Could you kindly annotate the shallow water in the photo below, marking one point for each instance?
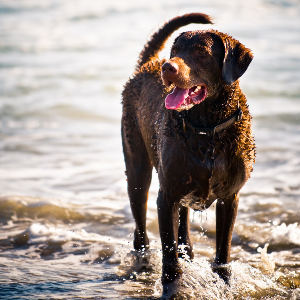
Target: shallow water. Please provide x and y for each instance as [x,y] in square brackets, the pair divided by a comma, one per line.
[67,228]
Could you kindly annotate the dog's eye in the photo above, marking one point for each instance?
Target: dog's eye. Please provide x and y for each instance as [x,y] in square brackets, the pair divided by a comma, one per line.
[201,51]
[174,50]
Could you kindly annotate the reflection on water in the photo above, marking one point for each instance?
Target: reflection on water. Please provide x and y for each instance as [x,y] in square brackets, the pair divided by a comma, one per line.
[66,225]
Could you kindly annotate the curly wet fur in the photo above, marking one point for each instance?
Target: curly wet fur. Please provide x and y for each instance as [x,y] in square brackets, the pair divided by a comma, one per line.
[194,170]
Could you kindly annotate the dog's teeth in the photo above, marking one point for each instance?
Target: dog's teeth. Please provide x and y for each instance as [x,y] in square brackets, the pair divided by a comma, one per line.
[197,89]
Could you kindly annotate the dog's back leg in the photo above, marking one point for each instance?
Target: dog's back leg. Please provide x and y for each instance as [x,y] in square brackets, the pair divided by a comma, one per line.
[139,173]
[184,232]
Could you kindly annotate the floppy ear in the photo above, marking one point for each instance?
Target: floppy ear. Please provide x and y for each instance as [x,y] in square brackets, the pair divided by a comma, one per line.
[236,60]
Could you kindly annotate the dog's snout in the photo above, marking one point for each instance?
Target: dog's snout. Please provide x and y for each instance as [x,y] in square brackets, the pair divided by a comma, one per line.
[170,67]
[169,72]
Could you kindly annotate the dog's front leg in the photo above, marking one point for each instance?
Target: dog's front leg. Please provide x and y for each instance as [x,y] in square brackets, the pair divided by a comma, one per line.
[168,218]
[226,211]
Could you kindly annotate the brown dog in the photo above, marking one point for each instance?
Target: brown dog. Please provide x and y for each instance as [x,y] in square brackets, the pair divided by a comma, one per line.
[189,119]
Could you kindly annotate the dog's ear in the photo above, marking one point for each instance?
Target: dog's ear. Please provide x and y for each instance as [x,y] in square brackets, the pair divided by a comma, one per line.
[236,60]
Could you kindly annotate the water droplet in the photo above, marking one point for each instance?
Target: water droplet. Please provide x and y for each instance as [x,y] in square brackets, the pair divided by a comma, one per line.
[201,219]
[193,216]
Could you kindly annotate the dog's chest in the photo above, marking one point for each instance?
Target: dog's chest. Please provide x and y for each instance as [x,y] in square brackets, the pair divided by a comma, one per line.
[195,169]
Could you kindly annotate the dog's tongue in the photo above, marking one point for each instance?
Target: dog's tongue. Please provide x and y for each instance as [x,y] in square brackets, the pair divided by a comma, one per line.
[176,98]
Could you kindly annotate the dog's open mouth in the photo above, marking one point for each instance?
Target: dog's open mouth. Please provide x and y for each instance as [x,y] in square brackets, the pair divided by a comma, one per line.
[184,99]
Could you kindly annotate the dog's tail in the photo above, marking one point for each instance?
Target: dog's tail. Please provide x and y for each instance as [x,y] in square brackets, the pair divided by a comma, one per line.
[158,39]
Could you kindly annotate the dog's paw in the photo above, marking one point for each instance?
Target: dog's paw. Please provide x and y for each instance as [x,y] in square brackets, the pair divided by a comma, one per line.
[223,270]
[171,272]
[140,242]
[175,290]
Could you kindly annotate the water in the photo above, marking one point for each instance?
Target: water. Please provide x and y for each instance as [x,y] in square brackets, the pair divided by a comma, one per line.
[67,228]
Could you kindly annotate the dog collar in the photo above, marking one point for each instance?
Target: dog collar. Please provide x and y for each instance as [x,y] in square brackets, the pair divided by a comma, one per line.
[210,131]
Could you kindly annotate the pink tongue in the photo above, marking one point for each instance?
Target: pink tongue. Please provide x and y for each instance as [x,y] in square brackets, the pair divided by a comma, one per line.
[176,98]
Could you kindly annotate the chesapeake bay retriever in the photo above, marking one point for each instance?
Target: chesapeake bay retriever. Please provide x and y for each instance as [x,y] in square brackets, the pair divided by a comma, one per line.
[188,118]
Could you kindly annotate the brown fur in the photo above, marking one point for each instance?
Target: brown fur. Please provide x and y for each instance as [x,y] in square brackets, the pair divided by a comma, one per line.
[194,170]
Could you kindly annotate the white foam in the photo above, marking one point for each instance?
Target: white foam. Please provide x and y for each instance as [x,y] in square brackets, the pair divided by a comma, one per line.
[46,232]
[285,234]
[199,282]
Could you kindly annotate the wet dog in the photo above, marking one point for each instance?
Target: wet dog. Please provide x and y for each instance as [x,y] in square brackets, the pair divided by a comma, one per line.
[188,118]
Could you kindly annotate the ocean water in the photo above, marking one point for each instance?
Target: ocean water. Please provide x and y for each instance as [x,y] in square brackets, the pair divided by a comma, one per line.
[66,225]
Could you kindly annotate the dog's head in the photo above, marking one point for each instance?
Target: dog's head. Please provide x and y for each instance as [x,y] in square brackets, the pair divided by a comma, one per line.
[201,62]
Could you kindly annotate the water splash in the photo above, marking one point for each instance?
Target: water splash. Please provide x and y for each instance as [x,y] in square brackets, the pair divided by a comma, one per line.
[267,262]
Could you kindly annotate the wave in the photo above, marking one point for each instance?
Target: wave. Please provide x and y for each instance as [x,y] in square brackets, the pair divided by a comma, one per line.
[20,208]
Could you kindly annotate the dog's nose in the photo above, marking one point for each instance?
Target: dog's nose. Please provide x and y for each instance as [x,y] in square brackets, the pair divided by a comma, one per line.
[170,67]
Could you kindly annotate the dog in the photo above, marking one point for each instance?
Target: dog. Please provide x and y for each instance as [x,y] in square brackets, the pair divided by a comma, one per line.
[188,118]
